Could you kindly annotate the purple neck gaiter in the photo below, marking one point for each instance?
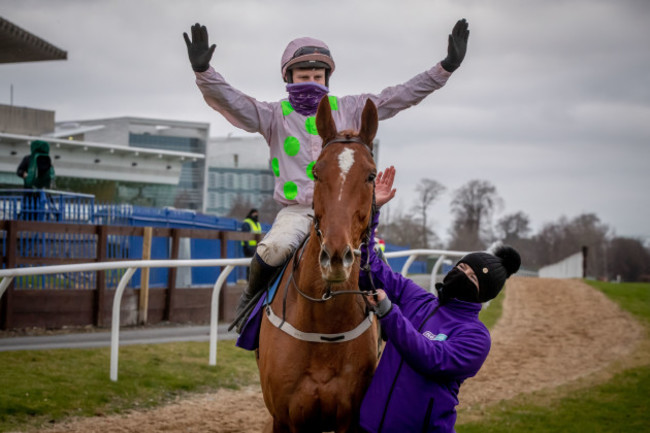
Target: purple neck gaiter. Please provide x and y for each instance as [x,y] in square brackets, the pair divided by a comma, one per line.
[304,97]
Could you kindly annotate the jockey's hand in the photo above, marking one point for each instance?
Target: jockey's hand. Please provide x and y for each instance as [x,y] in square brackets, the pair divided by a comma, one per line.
[197,49]
[457,46]
[380,303]
[384,191]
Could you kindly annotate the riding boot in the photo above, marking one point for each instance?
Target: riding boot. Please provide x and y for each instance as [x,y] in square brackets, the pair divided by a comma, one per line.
[260,278]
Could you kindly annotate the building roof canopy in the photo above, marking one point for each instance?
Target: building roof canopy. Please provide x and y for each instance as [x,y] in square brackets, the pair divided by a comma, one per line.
[111,148]
[18,45]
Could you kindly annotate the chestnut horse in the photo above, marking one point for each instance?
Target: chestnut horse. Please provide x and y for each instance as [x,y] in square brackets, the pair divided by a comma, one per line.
[318,342]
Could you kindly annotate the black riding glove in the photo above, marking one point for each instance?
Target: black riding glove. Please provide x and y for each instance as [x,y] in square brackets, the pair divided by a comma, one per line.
[197,49]
[457,46]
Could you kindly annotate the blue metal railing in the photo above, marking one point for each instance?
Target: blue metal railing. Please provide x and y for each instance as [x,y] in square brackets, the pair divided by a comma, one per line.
[65,207]
[46,205]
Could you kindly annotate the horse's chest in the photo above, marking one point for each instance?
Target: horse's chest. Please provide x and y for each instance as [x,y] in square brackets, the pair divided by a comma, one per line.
[325,394]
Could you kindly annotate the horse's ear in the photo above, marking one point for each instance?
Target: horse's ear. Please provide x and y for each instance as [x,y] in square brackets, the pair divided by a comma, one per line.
[369,121]
[325,122]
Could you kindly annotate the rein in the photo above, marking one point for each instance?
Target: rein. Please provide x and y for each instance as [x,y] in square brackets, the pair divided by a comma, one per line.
[314,337]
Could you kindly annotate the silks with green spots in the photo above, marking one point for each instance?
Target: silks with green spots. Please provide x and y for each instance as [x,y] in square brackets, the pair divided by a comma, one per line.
[293,139]
[292,146]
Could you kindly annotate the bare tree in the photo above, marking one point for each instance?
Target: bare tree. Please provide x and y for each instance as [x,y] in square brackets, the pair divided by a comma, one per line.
[472,206]
[556,241]
[405,230]
[513,227]
[428,191]
[628,259]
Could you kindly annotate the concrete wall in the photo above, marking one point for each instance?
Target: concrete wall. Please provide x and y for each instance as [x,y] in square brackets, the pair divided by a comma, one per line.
[25,121]
[570,267]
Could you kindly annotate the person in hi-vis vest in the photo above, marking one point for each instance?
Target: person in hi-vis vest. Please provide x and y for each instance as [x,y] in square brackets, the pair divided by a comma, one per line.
[251,224]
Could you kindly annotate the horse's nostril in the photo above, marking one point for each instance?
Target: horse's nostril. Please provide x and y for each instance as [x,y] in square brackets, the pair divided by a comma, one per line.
[348,257]
[324,258]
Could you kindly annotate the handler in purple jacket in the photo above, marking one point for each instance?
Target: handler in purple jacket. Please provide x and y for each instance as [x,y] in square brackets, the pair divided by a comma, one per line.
[434,343]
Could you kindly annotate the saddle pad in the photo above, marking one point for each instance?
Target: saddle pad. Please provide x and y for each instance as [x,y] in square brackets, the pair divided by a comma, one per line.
[249,337]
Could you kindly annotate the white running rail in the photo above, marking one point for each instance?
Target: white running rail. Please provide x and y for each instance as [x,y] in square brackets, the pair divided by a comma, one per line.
[413,254]
[131,266]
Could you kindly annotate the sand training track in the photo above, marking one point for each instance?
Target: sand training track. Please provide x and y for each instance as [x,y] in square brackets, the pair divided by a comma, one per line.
[552,332]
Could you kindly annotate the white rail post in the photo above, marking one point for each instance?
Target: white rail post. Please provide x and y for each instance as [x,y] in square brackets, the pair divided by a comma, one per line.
[408,264]
[434,272]
[4,284]
[115,321]
[214,313]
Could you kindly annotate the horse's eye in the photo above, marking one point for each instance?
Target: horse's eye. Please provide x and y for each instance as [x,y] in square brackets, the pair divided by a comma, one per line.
[371,177]
[314,175]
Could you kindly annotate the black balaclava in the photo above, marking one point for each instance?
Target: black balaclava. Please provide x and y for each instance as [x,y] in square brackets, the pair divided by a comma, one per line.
[492,270]
[457,285]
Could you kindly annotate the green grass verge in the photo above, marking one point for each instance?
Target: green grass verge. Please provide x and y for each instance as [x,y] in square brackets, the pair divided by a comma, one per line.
[490,314]
[39,387]
[632,297]
[619,405]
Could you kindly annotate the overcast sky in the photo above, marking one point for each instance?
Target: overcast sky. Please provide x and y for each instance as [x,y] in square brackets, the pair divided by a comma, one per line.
[552,103]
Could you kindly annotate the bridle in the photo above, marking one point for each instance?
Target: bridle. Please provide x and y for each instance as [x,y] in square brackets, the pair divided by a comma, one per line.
[282,324]
[329,294]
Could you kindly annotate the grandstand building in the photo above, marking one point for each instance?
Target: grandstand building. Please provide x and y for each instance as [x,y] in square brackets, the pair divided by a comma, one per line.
[238,172]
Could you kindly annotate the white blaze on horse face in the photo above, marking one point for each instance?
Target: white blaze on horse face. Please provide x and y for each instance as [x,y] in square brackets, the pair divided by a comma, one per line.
[346,160]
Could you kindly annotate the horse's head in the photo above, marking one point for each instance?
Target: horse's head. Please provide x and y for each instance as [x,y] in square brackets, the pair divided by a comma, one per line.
[343,191]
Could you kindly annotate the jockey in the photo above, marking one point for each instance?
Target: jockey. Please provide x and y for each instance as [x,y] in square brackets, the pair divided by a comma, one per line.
[434,343]
[290,130]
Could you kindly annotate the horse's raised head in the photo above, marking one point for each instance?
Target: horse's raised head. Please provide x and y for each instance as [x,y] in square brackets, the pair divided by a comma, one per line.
[327,128]
[344,178]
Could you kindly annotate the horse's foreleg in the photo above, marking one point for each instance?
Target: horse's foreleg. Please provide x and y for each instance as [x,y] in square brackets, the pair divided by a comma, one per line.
[275,427]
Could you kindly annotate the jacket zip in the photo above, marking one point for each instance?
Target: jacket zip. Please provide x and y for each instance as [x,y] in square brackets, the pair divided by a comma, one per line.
[390,394]
[427,416]
[399,369]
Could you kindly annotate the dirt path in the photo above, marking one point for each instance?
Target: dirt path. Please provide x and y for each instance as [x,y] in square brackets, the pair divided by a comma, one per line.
[551,332]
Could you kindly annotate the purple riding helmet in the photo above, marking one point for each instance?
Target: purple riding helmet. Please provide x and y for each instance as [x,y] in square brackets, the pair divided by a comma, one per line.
[306,53]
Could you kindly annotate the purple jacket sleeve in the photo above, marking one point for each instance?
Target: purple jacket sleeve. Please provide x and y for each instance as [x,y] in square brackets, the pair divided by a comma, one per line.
[460,356]
[399,288]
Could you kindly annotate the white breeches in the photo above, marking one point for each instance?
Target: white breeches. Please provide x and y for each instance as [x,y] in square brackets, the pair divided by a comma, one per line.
[290,227]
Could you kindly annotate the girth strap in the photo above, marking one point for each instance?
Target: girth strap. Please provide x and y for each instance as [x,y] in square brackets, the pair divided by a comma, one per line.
[316,337]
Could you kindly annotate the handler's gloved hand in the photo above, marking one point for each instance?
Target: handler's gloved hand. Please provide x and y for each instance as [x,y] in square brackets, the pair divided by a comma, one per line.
[457,46]
[197,49]
[379,302]
[383,307]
